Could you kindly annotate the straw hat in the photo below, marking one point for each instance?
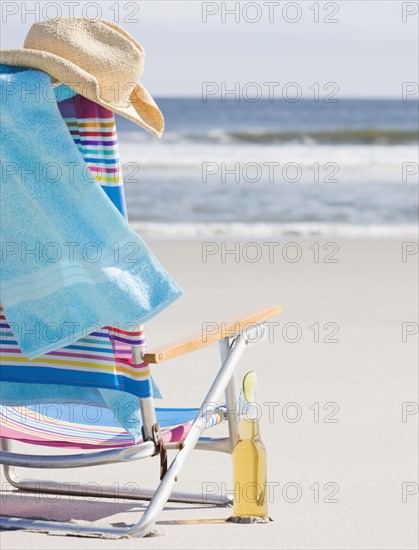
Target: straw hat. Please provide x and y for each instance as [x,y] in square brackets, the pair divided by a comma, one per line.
[97,59]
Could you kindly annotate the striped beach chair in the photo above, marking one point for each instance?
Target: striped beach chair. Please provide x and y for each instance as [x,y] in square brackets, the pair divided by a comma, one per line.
[63,401]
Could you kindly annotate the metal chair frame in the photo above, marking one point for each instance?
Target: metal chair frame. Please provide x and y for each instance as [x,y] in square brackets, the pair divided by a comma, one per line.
[232,347]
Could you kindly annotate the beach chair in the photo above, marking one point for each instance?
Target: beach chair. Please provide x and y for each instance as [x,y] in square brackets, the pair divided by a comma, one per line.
[163,430]
[103,439]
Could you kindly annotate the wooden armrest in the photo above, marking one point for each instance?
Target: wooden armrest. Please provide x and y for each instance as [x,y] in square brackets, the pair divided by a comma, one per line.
[209,333]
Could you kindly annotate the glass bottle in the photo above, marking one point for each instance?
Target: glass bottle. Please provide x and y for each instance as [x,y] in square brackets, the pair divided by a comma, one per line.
[249,462]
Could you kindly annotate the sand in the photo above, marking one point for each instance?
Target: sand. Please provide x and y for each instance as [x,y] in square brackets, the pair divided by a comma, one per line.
[339,449]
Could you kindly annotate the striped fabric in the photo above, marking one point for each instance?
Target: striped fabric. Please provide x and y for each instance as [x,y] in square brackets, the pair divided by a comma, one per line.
[89,426]
[102,359]
[94,131]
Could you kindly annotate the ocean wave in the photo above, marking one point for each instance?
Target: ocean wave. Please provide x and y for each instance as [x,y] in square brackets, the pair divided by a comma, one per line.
[363,136]
[359,136]
[257,231]
[181,155]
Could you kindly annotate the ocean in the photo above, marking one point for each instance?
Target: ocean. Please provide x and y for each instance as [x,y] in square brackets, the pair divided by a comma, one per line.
[272,169]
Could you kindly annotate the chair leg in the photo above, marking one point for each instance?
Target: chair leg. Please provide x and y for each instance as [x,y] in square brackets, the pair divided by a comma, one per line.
[165,488]
[103,491]
[8,471]
[231,395]
[44,486]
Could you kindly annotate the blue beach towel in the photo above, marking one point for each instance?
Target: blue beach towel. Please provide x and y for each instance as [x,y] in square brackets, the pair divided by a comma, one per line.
[70,262]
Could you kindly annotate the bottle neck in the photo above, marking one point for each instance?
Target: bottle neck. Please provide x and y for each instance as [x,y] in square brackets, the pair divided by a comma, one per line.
[249,428]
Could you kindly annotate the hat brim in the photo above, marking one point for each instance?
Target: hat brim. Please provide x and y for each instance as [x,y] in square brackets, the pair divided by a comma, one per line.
[141,108]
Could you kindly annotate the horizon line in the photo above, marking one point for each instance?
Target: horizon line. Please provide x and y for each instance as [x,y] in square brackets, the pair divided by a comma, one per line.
[308,98]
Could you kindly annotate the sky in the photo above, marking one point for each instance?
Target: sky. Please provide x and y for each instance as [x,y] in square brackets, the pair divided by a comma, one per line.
[369,51]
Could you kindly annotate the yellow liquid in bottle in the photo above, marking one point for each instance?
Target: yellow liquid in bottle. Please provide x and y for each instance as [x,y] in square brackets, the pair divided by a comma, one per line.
[249,471]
